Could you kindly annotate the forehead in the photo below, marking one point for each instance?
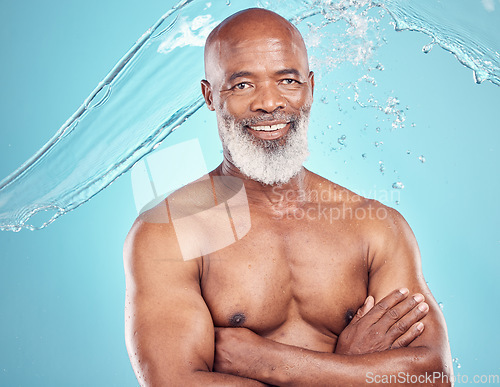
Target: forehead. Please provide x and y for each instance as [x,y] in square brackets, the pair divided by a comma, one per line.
[262,51]
[256,51]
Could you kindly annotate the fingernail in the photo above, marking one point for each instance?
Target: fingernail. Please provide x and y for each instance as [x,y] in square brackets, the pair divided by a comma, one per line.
[404,291]
[418,297]
[420,326]
[423,307]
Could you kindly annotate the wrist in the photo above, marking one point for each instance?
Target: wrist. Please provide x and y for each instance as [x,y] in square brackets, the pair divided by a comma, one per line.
[279,361]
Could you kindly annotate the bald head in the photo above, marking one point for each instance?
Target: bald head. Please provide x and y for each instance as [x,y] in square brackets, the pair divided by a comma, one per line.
[248,27]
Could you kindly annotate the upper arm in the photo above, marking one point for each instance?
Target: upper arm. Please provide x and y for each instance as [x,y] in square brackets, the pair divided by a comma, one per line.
[394,257]
[168,327]
[395,263]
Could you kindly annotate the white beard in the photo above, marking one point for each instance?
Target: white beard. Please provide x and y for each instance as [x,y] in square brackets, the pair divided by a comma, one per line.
[267,161]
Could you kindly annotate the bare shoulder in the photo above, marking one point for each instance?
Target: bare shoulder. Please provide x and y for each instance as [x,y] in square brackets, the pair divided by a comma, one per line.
[382,226]
[328,191]
[186,224]
[152,234]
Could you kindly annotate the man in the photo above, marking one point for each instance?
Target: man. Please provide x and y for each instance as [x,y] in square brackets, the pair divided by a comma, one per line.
[283,297]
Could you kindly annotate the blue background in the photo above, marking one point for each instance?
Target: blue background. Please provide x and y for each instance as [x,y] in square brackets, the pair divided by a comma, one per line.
[62,288]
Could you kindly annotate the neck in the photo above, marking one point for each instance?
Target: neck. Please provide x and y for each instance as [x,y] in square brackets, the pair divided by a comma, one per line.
[281,196]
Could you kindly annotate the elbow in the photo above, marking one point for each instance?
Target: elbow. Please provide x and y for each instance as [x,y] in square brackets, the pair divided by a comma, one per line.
[432,368]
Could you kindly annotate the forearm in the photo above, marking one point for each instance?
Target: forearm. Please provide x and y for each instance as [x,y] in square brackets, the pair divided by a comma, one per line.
[205,378]
[197,378]
[290,366]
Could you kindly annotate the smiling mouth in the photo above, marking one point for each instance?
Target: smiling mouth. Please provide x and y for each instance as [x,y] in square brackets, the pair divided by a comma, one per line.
[268,128]
[269,132]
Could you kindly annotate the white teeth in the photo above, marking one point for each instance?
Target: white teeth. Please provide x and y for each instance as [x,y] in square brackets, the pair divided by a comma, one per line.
[268,128]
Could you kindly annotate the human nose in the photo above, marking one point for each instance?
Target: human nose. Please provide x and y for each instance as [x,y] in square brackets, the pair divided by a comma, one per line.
[268,99]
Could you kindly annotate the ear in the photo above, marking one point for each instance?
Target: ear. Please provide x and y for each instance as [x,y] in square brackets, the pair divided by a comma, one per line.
[311,82]
[206,90]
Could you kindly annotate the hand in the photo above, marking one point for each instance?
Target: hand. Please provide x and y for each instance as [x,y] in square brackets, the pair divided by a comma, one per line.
[394,322]
[238,351]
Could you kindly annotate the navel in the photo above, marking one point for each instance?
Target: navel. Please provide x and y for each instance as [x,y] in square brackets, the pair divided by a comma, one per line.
[237,320]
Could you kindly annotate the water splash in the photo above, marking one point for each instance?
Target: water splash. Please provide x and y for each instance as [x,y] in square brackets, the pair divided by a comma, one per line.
[130,113]
[476,46]
[122,120]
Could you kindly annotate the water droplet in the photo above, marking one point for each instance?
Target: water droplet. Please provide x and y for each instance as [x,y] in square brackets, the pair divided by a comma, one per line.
[408,152]
[381,167]
[398,185]
[413,124]
[363,155]
[228,2]
[421,158]
[441,305]
[339,123]
[378,129]
[378,143]
[456,363]
[324,100]
[341,140]
[428,47]
[397,202]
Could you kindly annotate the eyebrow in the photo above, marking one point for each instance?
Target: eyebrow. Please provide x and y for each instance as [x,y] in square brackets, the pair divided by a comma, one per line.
[288,71]
[241,74]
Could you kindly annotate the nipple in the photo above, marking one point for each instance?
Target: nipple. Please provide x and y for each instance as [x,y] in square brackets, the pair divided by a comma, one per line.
[237,320]
[349,316]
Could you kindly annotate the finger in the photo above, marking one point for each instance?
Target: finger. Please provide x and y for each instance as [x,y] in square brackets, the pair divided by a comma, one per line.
[385,304]
[398,311]
[401,326]
[370,302]
[410,335]
[364,309]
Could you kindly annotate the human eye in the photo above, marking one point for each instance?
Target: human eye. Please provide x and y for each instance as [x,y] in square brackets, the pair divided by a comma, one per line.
[241,86]
[289,81]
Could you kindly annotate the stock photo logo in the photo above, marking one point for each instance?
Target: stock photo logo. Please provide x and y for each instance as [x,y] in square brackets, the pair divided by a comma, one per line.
[207,215]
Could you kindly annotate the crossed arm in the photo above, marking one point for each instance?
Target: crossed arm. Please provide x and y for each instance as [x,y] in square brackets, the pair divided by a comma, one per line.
[388,340]
[373,346]
[170,335]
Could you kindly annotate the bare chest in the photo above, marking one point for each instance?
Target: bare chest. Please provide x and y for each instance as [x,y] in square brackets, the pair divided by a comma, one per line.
[297,283]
